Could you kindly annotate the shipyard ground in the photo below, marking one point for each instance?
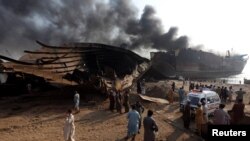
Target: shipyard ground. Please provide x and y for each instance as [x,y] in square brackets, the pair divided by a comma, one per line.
[41,118]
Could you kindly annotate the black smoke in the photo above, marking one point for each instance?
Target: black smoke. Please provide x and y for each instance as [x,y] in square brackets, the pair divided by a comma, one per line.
[112,22]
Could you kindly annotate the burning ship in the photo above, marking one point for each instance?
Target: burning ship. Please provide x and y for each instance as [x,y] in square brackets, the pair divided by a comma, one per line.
[195,64]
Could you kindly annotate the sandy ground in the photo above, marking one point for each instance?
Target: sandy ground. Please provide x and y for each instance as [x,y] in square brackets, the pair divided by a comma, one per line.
[41,118]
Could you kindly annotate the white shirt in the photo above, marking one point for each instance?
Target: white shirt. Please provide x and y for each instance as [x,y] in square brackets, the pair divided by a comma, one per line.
[69,128]
[76,98]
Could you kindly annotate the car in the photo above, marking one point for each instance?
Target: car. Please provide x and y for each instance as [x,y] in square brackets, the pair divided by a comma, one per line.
[211,98]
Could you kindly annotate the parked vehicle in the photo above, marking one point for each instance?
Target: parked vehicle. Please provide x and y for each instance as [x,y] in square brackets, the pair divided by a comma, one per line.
[212,100]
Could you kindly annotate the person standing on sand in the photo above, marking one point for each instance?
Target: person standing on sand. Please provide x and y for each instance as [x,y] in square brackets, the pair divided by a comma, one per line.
[111,100]
[198,118]
[173,86]
[126,101]
[225,95]
[187,115]
[238,111]
[140,109]
[240,94]
[204,118]
[133,123]
[230,94]
[143,87]
[221,117]
[76,102]
[205,110]
[181,93]
[150,127]
[170,96]
[69,127]
[118,102]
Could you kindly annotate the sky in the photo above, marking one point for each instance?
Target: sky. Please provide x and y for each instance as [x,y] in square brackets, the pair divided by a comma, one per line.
[217,25]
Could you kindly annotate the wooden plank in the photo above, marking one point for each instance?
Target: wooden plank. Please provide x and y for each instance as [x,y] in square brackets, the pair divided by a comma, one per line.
[153,99]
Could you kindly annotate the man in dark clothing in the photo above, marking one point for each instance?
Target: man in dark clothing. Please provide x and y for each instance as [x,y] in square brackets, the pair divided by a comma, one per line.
[224,95]
[197,86]
[221,92]
[187,115]
[150,127]
[173,86]
[240,94]
[218,90]
[118,100]
[126,101]
[191,86]
[238,111]
[140,109]
[112,100]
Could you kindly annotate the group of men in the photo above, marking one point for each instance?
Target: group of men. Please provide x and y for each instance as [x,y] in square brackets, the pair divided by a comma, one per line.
[117,100]
[226,94]
[201,115]
[134,115]
[220,116]
[134,124]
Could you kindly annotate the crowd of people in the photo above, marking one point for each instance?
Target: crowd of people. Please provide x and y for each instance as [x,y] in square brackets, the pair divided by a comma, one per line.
[117,100]
[134,115]
[220,116]
[225,93]
[120,101]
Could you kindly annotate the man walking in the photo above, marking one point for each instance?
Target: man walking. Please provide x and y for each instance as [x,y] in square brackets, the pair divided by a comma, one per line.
[240,94]
[118,102]
[187,115]
[220,116]
[238,111]
[181,93]
[198,118]
[76,102]
[140,109]
[133,123]
[150,127]
[173,86]
[204,110]
[111,100]
[126,101]
[69,127]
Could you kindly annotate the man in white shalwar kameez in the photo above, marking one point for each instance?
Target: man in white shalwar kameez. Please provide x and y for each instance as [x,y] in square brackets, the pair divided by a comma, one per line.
[133,123]
[69,127]
[77,102]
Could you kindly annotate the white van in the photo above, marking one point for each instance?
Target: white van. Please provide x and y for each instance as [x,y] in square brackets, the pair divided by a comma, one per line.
[212,99]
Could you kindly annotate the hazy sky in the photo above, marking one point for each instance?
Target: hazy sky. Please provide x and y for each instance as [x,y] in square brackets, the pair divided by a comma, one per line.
[216,24]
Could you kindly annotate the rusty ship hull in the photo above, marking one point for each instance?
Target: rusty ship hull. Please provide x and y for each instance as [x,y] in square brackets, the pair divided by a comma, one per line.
[194,64]
[87,65]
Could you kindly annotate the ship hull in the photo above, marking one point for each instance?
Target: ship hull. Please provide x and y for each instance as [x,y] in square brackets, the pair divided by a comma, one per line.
[192,64]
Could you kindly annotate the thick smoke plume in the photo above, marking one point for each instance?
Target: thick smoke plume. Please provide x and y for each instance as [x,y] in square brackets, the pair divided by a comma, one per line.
[112,22]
